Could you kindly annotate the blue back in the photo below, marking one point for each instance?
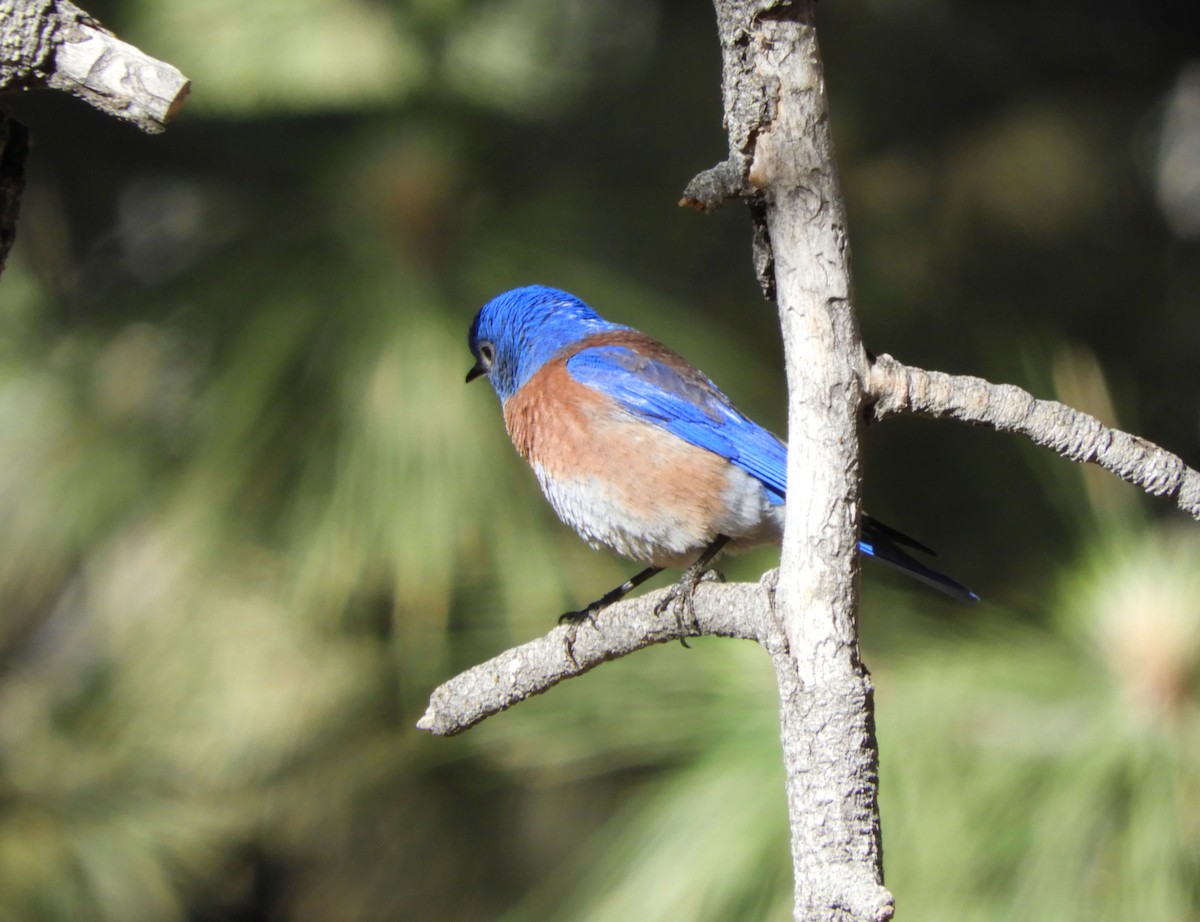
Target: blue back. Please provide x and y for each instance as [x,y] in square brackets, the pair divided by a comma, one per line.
[684,402]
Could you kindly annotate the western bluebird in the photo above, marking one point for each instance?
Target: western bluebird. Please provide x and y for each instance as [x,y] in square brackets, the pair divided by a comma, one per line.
[635,448]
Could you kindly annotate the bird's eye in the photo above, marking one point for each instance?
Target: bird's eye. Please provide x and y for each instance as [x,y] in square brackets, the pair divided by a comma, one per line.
[487,353]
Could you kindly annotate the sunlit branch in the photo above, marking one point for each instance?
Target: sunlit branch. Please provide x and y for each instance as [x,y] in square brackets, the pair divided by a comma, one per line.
[55,44]
[732,610]
[897,388]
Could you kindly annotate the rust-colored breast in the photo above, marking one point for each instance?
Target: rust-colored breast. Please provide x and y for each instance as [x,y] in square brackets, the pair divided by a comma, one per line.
[619,480]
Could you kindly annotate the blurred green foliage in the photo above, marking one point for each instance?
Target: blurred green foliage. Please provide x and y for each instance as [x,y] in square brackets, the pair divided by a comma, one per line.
[250,515]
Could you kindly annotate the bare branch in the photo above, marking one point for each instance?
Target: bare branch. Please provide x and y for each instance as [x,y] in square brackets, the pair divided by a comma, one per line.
[740,610]
[55,44]
[898,388]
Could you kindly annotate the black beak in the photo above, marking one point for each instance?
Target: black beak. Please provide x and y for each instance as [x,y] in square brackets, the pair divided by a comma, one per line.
[477,370]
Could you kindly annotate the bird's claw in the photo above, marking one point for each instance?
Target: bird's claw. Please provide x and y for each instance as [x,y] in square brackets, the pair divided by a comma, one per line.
[682,598]
[578,617]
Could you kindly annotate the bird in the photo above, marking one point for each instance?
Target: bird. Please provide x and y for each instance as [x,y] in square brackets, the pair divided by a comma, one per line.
[636,449]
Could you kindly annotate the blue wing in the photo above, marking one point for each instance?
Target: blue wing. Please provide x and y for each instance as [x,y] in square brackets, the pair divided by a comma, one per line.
[683,401]
[679,398]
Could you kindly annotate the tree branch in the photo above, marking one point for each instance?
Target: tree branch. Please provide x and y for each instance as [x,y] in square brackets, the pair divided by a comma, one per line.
[53,43]
[733,610]
[897,388]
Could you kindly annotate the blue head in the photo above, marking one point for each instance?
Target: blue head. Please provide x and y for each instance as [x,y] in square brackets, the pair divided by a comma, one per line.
[516,333]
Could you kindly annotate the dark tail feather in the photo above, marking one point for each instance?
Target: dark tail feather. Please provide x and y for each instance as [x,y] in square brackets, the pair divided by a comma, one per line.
[883,543]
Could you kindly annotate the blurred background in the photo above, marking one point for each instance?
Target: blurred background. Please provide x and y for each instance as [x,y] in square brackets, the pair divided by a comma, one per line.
[250,514]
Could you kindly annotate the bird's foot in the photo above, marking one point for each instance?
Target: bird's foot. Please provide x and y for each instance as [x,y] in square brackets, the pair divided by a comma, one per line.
[682,599]
[573,619]
[584,614]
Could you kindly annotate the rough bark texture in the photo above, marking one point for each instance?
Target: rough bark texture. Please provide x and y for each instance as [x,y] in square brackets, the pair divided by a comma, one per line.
[53,43]
[568,651]
[896,388]
[779,134]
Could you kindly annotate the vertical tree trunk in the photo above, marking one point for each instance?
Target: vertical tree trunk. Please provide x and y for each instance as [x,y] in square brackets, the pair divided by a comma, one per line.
[781,146]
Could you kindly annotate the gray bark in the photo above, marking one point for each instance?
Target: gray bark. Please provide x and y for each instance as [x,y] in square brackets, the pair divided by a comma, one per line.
[53,43]
[896,388]
[778,123]
[736,610]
